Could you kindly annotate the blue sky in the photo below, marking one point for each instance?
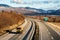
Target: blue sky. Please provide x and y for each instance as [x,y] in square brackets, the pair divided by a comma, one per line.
[42,4]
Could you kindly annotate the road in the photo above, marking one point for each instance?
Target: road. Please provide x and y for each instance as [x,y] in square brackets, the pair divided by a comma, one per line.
[8,35]
[43,31]
[13,36]
[46,31]
[20,36]
[54,31]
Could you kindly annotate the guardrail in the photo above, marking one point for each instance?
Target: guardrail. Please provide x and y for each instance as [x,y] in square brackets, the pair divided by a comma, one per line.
[30,33]
[27,33]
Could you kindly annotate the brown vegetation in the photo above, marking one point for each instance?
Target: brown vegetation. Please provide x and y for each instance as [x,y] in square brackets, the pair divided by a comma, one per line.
[50,18]
[10,20]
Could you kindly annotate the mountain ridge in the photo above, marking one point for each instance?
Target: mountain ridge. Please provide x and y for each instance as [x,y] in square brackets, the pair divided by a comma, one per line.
[29,10]
[4,5]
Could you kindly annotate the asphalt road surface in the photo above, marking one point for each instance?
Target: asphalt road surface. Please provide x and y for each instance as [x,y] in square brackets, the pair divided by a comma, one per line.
[14,36]
[46,31]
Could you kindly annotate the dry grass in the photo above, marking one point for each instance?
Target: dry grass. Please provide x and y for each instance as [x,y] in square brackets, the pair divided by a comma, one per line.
[50,18]
[56,23]
[10,20]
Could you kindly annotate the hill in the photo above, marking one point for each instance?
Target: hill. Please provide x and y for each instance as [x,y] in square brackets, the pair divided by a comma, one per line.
[4,5]
[32,11]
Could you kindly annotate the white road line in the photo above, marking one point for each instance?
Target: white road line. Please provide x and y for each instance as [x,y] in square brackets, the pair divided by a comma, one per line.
[49,32]
[43,32]
[41,35]
[55,28]
[52,37]
[10,35]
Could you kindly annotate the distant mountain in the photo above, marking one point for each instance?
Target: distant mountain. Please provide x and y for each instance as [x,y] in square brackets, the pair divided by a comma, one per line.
[38,10]
[4,5]
[29,8]
[50,11]
[57,12]
[32,11]
[43,12]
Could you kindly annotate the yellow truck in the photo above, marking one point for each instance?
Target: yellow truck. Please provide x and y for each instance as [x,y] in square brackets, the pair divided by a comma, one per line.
[19,29]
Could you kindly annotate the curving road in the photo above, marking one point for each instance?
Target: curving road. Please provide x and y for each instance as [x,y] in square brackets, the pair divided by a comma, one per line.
[12,36]
[47,31]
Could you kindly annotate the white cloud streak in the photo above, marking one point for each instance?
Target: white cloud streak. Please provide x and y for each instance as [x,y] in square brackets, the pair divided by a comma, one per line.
[44,4]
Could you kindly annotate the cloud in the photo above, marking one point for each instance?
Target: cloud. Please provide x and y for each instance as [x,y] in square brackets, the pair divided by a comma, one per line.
[35,1]
[44,4]
[16,1]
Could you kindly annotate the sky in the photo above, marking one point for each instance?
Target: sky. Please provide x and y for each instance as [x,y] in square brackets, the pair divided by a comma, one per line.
[40,4]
